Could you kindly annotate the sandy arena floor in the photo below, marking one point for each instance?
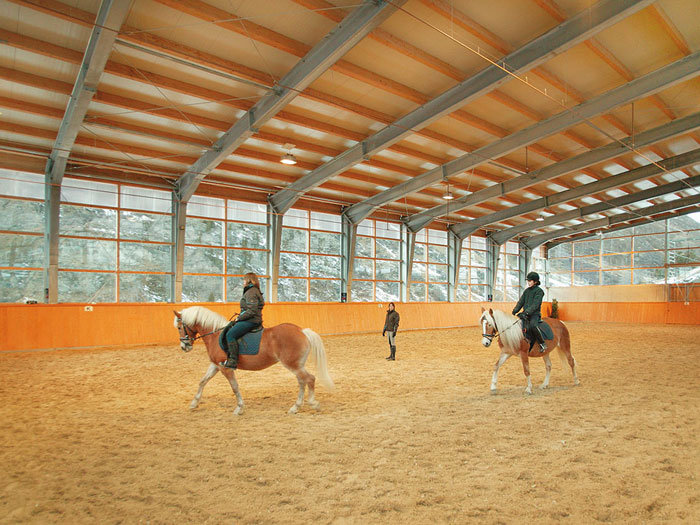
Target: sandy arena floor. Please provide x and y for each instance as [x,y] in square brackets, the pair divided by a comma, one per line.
[106,436]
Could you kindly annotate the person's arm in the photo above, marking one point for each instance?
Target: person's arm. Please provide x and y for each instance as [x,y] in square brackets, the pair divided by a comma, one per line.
[520,304]
[251,306]
[536,302]
[396,324]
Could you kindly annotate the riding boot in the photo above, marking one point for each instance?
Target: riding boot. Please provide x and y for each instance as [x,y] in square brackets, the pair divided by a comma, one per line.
[391,353]
[232,361]
[392,357]
[540,340]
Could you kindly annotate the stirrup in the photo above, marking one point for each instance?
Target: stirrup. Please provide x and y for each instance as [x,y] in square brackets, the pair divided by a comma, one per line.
[543,347]
[229,364]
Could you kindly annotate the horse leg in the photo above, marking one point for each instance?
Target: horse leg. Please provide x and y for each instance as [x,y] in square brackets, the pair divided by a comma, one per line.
[526,368]
[548,370]
[499,363]
[304,379]
[231,376]
[211,372]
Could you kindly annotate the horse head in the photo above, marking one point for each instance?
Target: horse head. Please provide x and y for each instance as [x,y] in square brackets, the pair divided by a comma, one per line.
[488,327]
[187,334]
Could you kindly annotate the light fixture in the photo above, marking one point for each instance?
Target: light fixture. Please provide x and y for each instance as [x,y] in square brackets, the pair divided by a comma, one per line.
[288,158]
[540,217]
[448,194]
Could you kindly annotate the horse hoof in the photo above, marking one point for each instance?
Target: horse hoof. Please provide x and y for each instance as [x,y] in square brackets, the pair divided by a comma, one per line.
[293,410]
[528,391]
[544,387]
[315,405]
[238,411]
[193,405]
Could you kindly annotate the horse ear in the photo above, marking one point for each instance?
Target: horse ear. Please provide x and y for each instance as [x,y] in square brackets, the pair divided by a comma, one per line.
[491,312]
[482,310]
[177,314]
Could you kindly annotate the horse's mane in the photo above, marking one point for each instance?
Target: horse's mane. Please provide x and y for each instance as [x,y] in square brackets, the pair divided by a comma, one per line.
[205,318]
[508,328]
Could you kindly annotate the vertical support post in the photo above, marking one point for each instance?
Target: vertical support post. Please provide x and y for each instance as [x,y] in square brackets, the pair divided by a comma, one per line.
[408,245]
[454,256]
[524,262]
[493,256]
[347,252]
[274,241]
[52,201]
[178,256]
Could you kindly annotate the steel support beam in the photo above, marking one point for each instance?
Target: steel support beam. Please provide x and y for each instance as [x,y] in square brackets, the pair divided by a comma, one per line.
[454,255]
[274,241]
[536,240]
[671,164]
[178,254]
[683,69]
[562,37]
[349,243]
[676,127]
[323,55]
[408,247]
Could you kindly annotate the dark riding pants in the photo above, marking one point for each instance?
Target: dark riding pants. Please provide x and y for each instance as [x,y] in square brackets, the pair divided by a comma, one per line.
[531,328]
[239,329]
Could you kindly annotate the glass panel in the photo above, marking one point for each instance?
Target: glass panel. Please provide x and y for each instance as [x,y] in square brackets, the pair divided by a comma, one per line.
[18,285]
[463,275]
[145,226]
[478,275]
[617,245]
[586,278]
[390,230]
[511,262]
[325,266]
[387,291]
[89,222]
[437,273]
[498,294]
[689,239]
[204,231]
[21,251]
[462,294]
[366,227]
[388,270]
[617,277]
[87,254]
[246,235]
[684,256]
[587,263]
[296,218]
[651,227]
[234,288]
[144,257]
[437,292]
[364,247]
[645,259]
[560,250]
[478,293]
[146,199]
[478,243]
[203,260]
[139,288]
[240,262]
[292,290]
[512,293]
[364,268]
[683,274]
[560,265]
[388,249]
[418,272]
[87,287]
[587,248]
[512,247]
[325,243]
[202,289]
[325,221]
[418,293]
[649,242]
[294,265]
[209,207]
[324,290]
[437,236]
[21,184]
[437,254]
[24,216]
[419,252]
[559,279]
[362,291]
[650,276]
[684,222]
[478,258]
[623,260]
[247,211]
[295,240]
[512,278]
[88,192]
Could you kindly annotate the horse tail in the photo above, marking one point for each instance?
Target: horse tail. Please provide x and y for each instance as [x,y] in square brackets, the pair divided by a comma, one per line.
[319,354]
[564,346]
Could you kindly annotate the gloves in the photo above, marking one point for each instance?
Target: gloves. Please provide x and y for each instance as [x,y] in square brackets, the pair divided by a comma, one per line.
[523,316]
[394,333]
[515,312]
[383,333]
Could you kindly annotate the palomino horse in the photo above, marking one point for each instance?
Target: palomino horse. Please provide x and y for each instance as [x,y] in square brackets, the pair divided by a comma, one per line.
[286,343]
[506,327]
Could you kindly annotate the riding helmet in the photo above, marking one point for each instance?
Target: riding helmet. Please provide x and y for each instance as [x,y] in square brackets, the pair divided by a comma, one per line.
[533,276]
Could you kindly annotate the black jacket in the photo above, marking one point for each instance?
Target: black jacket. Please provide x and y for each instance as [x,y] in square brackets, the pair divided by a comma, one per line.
[391,324]
[252,304]
[530,301]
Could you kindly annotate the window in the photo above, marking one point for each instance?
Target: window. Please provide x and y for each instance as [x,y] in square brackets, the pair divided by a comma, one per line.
[507,280]
[472,277]
[429,273]
[377,266]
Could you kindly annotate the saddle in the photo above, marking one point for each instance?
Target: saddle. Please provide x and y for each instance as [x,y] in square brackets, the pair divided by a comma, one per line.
[544,329]
[249,344]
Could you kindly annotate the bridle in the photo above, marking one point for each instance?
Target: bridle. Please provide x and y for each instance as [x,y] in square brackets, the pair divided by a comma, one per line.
[496,332]
[188,339]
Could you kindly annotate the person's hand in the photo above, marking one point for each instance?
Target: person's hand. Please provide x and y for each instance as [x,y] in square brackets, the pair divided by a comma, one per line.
[515,312]
[383,333]
[394,333]
[523,316]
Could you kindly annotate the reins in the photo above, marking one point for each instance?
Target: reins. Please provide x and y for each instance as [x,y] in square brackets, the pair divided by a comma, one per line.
[497,333]
[190,339]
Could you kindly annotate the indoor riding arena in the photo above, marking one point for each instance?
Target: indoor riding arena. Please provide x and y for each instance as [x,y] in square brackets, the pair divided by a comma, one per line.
[471,231]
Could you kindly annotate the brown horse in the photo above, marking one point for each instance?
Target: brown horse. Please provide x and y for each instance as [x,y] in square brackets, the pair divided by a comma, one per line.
[286,343]
[507,329]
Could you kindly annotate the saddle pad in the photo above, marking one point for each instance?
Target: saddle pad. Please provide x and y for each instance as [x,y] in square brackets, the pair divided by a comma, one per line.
[249,344]
[545,330]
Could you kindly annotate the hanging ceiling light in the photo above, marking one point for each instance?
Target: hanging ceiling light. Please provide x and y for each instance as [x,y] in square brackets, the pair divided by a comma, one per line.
[288,158]
[540,217]
[448,194]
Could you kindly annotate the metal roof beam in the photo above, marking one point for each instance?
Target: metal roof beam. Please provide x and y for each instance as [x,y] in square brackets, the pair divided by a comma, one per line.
[562,37]
[534,241]
[676,127]
[323,55]
[671,164]
[109,20]
[687,67]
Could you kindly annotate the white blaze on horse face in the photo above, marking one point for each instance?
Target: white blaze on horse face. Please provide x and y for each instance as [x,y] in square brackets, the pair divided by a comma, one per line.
[484,324]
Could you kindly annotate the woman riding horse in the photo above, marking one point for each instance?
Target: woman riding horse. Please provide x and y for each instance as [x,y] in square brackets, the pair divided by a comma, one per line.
[250,317]
[531,302]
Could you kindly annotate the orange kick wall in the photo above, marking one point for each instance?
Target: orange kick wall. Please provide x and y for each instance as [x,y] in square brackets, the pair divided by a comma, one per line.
[28,327]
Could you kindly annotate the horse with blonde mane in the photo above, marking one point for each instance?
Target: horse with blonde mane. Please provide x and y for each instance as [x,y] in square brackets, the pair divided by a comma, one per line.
[511,340]
[285,343]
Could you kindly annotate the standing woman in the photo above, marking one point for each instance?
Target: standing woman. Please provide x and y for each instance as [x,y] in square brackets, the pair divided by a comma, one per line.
[391,325]
[250,317]
[531,302]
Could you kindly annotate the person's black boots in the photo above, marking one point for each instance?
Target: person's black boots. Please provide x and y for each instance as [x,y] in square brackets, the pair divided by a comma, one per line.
[540,340]
[232,361]
[392,356]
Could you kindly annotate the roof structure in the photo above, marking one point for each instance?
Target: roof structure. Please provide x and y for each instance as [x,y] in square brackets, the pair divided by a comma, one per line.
[519,109]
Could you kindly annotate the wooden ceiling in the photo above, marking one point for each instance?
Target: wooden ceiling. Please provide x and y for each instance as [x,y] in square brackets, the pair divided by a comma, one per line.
[181,73]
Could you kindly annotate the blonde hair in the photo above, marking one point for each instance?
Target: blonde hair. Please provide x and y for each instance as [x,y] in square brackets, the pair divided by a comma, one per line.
[251,278]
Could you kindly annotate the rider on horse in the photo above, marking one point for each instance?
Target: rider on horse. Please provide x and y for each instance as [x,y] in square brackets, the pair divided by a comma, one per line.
[250,317]
[531,302]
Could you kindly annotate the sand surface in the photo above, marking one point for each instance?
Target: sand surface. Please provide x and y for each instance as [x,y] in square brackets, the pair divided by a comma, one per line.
[106,436]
